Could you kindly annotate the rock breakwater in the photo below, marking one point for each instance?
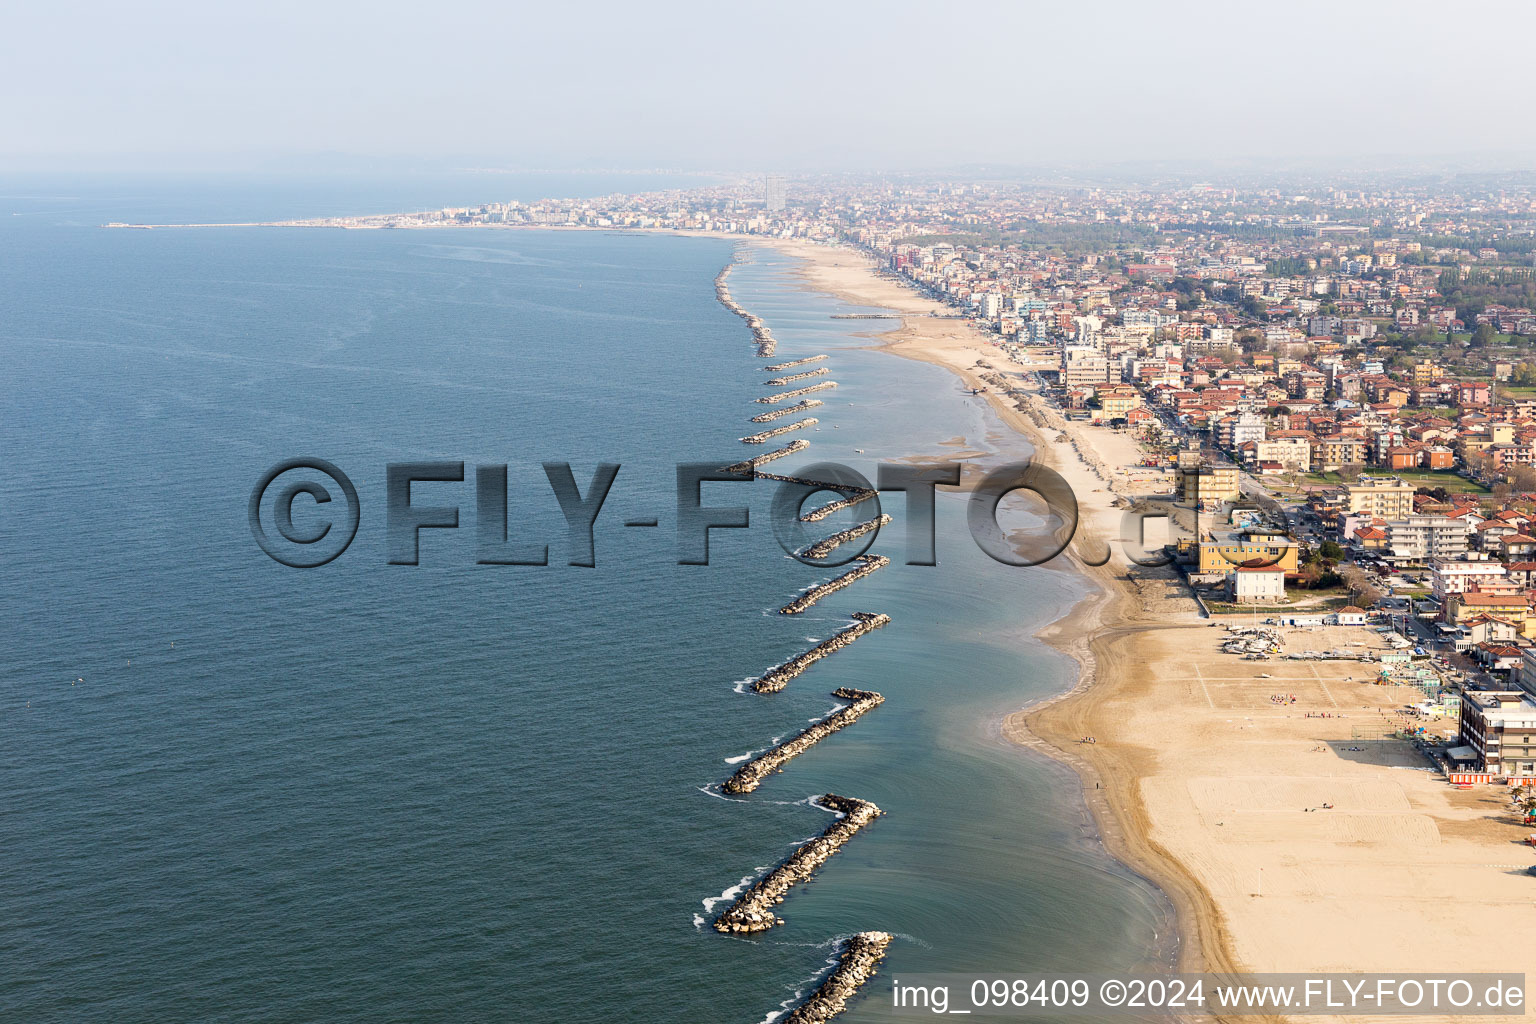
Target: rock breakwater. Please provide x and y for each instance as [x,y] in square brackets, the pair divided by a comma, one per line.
[775,432]
[860,960]
[778,382]
[867,564]
[823,548]
[760,332]
[778,453]
[753,911]
[816,514]
[751,775]
[788,410]
[781,396]
[794,362]
[776,678]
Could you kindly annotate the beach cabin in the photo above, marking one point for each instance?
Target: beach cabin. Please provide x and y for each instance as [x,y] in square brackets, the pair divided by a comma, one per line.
[1349,615]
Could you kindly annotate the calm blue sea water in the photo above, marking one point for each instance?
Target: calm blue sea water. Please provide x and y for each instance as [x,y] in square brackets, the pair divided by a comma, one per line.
[235,791]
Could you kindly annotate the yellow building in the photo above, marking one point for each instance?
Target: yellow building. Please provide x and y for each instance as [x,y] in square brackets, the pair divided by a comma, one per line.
[1513,607]
[1224,552]
[1117,404]
[1211,483]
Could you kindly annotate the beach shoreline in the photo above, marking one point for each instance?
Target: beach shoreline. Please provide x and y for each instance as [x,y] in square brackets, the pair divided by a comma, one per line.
[1096,631]
[1267,801]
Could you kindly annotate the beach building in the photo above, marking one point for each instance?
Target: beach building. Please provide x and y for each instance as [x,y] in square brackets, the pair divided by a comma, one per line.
[1210,482]
[1500,727]
[1256,585]
[1449,576]
[1085,366]
[1224,551]
[1511,607]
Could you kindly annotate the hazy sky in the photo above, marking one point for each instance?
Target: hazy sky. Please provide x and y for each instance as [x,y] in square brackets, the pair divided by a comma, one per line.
[770,85]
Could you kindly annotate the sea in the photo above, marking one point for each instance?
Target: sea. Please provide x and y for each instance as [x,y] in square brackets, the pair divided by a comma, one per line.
[236,790]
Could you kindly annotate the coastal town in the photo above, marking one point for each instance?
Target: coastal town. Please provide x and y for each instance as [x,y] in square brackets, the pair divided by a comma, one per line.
[1331,388]
[1306,704]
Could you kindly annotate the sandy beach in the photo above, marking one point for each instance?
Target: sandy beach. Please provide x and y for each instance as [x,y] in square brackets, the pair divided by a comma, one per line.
[1286,833]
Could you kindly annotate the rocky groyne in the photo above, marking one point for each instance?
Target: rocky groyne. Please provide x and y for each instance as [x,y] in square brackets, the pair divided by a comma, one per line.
[760,332]
[817,514]
[747,465]
[867,564]
[820,485]
[779,382]
[781,396]
[794,362]
[750,775]
[858,963]
[788,410]
[776,431]
[776,678]
[753,911]
[823,548]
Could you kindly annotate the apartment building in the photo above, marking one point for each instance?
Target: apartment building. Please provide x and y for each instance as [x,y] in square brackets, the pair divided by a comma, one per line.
[1085,366]
[1500,726]
[1449,576]
[1210,483]
[1385,497]
[1420,539]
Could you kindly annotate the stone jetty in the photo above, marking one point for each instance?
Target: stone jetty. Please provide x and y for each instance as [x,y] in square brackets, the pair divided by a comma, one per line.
[795,362]
[778,382]
[796,445]
[753,912]
[820,485]
[788,410]
[867,564]
[776,431]
[817,514]
[858,963]
[775,399]
[823,548]
[776,678]
[750,775]
[760,332]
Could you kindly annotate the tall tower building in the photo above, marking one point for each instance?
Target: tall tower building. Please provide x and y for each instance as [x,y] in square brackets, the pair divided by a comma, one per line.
[773,193]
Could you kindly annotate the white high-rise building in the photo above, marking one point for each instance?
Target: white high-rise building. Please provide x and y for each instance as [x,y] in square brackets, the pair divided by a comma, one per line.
[773,193]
